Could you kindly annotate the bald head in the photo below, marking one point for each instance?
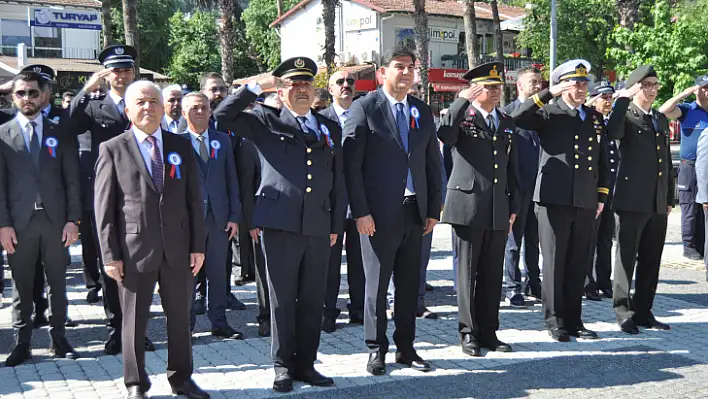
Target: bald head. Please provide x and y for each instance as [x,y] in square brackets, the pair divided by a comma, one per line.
[144,106]
[341,87]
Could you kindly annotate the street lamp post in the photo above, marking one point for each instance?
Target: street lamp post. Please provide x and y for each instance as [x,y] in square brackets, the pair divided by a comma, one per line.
[553,36]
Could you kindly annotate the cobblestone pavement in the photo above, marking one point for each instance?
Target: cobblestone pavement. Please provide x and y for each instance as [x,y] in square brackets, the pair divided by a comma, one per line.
[654,364]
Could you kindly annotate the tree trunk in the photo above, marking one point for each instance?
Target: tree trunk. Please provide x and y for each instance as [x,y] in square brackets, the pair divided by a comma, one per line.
[107,22]
[130,25]
[627,10]
[471,40]
[226,39]
[420,19]
[329,10]
[279,4]
[499,44]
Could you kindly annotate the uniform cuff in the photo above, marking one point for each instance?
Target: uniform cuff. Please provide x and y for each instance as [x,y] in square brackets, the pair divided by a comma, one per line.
[254,88]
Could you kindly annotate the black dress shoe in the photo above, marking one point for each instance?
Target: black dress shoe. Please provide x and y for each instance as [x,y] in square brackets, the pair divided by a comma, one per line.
[149,346]
[283,382]
[135,392]
[314,378]
[592,295]
[356,318]
[233,303]
[199,305]
[92,297]
[559,334]
[60,348]
[329,324]
[70,323]
[607,293]
[376,364]
[628,326]
[470,346]
[40,320]
[18,356]
[113,346]
[428,287]
[413,361]
[425,313]
[226,332]
[653,324]
[691,253]
[190,390]
[264,328]
[494,344]
[583,333]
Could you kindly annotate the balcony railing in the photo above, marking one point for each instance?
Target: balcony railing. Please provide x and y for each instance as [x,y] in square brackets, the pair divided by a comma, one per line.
[52,52]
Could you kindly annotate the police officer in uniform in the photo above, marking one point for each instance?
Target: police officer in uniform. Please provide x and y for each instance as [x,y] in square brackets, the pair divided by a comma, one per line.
[644,195]
[300,209]
[694,119]
[482,202]
[571,189]
[597,280]
[104,118]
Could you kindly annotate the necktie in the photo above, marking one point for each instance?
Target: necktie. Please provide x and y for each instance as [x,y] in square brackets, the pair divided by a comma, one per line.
[34,143]
[173,126]
[490,123]
[343,117]
[203,152]
[121,108]
[402,123]
[156,161]
[310,135]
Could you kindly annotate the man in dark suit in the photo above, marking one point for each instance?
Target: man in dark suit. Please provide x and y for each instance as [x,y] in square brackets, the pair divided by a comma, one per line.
[39,212]
[173,108]
[300,209]
[222,208]
[482,202]
[570,193]
[341,87]
[525,229]
[103,116]
[644,197]
[150,219]
[392,169]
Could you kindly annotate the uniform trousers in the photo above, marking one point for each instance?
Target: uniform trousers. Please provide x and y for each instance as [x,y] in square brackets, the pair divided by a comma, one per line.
[355,273]
[393,250]
[600,265]
[89,253]
[479,275]
[565,234]
[261,275]
[297,271]
[136,292]
[40,239]
[640,241]
[524,231]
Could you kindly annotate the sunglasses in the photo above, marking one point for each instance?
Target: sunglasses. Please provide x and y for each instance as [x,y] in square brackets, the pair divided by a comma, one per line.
[27,93]
[349,81]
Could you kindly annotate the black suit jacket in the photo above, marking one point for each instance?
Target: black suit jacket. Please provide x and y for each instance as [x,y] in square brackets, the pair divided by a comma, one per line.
[573,167]
[56,179]
[376,164]
[483,189]
[135,223]
[301,186]
[248,168]
[644,180]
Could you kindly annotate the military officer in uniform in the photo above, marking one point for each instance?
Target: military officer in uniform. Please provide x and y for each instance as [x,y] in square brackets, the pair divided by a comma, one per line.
[299,209]
[571,190]
[104,118]
[644,196]
[482,202]
[600,265]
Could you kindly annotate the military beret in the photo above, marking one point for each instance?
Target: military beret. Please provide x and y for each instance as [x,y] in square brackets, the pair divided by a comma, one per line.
[118,56]
[485,74]
[296,68]
[644,71]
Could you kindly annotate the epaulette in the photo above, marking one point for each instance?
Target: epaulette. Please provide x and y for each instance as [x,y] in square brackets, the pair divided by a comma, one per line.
[96,96]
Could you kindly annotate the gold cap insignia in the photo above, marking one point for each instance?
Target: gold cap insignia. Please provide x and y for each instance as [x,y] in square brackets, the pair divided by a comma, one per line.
[581,70]
[299,63]
[494,73]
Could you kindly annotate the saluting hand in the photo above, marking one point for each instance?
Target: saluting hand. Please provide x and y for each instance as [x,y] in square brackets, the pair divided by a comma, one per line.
[271,82]
[689,91]
[628,92]
[600,207]
[196,260]
[95,81]
[114,270]
[429,225]
[471,93]
[8,238]
[232,229]
[365,225]
[560,88]
[70,234]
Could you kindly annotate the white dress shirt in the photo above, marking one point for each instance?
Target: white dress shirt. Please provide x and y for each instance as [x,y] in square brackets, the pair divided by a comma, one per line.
[392,102]
[24,124]
[195,142]
[116,98]
[486,114]
[310,122]
[342,114]
[166,120]
[146,147]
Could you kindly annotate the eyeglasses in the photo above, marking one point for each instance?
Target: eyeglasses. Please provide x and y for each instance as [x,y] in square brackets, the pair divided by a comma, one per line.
[651,86]
[349,81]
[25,93]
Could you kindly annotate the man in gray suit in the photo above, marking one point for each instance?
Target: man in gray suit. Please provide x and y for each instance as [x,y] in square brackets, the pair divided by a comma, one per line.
[702,180]
[222,208]
[39,204]
[150,220]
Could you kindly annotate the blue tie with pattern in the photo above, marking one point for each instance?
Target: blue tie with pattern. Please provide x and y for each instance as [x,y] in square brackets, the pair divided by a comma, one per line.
[402,123]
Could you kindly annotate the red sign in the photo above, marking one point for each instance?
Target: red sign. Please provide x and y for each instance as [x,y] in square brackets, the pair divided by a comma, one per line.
[365,85]
[443,75]
[453,87]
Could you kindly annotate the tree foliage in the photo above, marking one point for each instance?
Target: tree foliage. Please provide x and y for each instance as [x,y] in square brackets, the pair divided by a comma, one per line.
[584,27]
[675,46]
[265,40]
[195,45]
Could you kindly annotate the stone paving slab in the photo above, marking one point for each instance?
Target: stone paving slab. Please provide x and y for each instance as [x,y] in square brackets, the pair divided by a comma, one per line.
[654,364]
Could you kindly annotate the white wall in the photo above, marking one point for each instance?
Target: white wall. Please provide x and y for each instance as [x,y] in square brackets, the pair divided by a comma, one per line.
[302,34]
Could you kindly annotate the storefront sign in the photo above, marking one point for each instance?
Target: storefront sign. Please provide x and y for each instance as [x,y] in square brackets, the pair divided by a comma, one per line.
[443,75]
[65,18]
[406,36]
[454,87]
[359,18]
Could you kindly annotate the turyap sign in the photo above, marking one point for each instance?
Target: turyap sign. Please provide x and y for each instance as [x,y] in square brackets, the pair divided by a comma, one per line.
[65,18]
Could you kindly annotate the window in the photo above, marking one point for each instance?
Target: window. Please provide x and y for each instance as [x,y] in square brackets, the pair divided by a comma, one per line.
[47,42]
[14,32]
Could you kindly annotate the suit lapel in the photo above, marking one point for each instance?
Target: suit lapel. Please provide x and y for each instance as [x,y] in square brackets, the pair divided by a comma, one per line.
[637,117]
[290,124]
[132,145]
[18,142]
[111,108]
[203,167]
[384,107]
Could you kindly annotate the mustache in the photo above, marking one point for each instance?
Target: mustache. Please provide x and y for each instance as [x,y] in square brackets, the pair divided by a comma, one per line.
[302,97]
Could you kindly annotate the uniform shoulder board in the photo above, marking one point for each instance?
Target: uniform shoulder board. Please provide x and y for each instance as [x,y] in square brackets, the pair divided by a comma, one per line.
[97,96]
